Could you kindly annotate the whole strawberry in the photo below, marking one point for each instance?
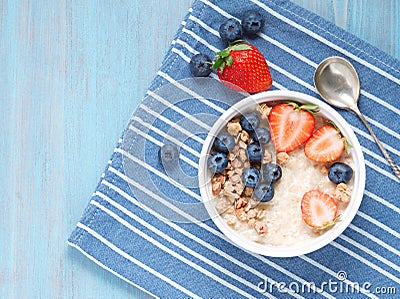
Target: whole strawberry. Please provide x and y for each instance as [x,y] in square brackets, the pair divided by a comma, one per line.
[242,66]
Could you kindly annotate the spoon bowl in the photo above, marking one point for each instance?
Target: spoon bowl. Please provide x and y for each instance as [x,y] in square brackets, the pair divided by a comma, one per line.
[337,82]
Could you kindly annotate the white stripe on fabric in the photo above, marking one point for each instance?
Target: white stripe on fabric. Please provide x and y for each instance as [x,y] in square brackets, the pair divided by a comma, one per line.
[158,173]
[381,102]
[135,261]
[201,224]
[384,202]
[180,230]
[90,257]
[286,49]
[199,39]
[175,254]
[371,253]
[179,110]
[327,42]
[381,171]
[379,224]
[190,92]
[159,143]
[291,76]
[374,155]
[334,274]
[298,80]
[369,137]
[150,193]
[382,127]
[171,123]
[375,239]
[165,135]
[204,25]
[366,262]
[185,45]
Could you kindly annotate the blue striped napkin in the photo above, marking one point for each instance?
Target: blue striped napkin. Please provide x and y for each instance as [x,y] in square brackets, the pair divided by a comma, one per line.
[124,233]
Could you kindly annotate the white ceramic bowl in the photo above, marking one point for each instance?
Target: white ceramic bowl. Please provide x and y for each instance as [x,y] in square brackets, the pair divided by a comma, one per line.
[249,104]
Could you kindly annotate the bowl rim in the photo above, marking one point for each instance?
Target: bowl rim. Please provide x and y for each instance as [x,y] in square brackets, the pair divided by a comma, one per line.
[310,245]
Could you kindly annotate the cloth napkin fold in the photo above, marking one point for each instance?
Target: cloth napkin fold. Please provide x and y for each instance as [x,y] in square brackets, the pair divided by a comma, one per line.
[121,231]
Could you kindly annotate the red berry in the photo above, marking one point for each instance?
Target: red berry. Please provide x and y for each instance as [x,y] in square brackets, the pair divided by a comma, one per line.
[319,210]
[325,145]
[291,125]
[242,66]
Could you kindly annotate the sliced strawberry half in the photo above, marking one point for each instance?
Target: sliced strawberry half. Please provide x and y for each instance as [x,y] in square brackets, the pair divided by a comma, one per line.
[319,210]
[291,125]
[325,145]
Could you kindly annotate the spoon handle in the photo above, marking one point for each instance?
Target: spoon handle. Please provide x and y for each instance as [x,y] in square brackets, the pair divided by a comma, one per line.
[394,167]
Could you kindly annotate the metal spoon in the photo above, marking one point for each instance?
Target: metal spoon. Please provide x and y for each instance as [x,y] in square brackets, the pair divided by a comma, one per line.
[337,82]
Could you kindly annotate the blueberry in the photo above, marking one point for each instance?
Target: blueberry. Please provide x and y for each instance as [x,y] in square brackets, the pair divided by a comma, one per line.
[200,65]
[250,177]
[224,142]
[254,152]
[272,173]
[217,162]
[249,122]
[340,173]
[261,135]
[264,192]
[252,22]
[230,30]
[168,155]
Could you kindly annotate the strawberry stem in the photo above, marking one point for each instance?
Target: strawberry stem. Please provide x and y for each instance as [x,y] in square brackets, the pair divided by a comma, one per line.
[306,107]
[330,223]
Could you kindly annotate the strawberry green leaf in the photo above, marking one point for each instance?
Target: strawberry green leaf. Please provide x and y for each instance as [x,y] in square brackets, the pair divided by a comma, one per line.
[295,105]
[229,60]
[236,42]
[223,58]
[222,67]
[329,223]
[347,145]
[310,108]
[217,63]
[224,53]
[240,47]
[307,107]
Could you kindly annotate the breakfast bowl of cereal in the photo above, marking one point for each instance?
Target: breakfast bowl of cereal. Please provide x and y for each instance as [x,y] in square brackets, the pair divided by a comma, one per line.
[281,174]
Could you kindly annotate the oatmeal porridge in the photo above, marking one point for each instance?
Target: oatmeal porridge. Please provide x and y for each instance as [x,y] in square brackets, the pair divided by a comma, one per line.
[282,174]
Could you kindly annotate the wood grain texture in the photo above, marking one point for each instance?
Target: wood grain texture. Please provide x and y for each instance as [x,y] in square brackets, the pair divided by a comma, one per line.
[71,74]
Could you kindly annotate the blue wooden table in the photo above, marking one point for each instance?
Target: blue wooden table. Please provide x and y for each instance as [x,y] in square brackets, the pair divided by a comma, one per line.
[71,74]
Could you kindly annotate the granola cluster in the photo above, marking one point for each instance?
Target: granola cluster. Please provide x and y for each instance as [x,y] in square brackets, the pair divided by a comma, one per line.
[234,200]
[342,193]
